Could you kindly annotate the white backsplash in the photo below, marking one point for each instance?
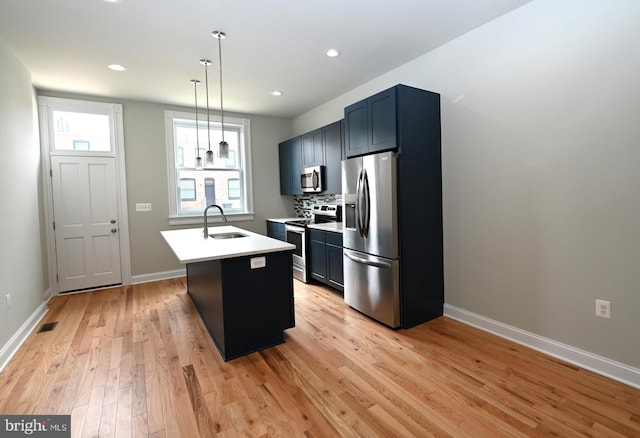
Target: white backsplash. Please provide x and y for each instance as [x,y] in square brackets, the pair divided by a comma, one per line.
[303,204]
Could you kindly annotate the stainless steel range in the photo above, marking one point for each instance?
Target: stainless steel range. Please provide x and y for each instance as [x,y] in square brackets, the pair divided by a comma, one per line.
[296,234]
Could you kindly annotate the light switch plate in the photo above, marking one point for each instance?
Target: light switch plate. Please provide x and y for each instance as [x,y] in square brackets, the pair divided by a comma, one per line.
[145,206]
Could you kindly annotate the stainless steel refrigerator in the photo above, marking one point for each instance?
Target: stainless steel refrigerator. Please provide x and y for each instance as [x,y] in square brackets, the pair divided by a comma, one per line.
[371,254]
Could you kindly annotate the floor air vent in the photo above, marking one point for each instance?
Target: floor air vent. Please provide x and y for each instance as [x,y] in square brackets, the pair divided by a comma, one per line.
[48,327]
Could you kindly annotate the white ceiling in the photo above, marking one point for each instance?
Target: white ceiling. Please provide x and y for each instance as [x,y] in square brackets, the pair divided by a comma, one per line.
[271,45]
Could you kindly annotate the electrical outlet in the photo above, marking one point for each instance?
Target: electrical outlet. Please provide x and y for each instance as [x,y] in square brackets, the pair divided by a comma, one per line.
[146,206]
[603,308]
[7,301]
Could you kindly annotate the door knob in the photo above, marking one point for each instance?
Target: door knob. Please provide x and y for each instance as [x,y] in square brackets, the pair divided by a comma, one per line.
[113,230]
[113,221]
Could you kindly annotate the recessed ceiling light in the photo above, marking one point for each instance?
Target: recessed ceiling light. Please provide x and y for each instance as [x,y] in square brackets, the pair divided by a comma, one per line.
[117,67]
[276,93]
[113,1]
[332,53]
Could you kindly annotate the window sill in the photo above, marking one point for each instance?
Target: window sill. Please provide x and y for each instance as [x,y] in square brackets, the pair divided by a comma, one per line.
[199,220]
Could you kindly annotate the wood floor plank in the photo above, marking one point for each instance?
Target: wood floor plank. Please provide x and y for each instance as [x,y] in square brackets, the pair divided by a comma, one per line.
[137,361]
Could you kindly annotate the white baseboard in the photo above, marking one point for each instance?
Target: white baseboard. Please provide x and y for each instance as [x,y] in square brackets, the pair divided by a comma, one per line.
[146,278]
[18,338]
[598,364]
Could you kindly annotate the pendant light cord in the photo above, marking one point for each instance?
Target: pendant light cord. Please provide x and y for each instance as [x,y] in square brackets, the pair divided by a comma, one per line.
[195,83]
[206,62]
[220,37]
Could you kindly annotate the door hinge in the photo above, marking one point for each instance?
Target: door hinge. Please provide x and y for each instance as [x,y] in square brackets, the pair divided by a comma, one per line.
[54,225]
[51,173]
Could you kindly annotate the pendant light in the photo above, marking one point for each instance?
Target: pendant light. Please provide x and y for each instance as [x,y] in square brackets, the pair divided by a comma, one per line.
[208,160]
[195,83]
[223,147]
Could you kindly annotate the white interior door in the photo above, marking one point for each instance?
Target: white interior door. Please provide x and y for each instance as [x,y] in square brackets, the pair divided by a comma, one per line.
[85,217]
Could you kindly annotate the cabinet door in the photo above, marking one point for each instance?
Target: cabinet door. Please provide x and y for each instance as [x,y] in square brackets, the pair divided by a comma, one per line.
[335,270]
[332,157]
[356,141]
[290,155]
[284,155]
[296,165]
[318,261]
[382,121]
[312,149]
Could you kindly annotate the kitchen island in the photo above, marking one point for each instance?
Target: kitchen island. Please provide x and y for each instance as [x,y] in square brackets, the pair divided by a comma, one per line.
[241,283]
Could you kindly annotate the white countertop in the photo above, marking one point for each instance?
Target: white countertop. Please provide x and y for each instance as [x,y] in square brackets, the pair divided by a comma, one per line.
[335,227]
[189,245]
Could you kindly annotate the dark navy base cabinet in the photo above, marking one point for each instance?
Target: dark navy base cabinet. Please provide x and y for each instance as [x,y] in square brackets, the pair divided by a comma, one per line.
[325,258]
[276,230]
[245,310]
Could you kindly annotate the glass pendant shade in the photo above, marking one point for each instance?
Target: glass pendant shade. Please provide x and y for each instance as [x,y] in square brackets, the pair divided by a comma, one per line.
[208,158]
[223,149]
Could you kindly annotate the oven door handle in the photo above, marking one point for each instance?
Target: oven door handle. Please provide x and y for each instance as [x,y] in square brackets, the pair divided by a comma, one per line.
[294,229]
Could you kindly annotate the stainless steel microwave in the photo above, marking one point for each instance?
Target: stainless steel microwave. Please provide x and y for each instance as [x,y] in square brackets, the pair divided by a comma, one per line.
[311,179]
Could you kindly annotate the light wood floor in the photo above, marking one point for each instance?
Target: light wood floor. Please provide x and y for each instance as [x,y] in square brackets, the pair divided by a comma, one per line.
[137,361]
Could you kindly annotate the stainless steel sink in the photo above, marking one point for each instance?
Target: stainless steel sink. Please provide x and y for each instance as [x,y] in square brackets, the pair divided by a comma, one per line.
[230,235]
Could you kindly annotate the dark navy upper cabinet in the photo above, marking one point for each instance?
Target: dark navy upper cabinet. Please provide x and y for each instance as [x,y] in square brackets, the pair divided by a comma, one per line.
[320,147]
[332,140]
[290,153]
[381,129]
[356,140]
[370,125]
[313,149]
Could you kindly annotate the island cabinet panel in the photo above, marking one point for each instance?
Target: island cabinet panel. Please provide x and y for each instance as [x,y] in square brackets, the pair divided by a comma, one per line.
[244,309]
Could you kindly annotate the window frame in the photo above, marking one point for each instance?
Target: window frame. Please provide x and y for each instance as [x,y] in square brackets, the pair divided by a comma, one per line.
[246,185]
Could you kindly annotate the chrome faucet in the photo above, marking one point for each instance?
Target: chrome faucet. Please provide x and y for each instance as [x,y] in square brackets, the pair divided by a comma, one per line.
[206,225]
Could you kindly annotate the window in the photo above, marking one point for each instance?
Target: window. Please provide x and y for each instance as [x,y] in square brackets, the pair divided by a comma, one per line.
[187,189]
[226,183]
[80,131]
[233,188]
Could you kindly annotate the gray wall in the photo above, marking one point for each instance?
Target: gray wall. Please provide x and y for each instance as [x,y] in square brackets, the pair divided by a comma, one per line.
[541,148]
[21,251]
[146,170]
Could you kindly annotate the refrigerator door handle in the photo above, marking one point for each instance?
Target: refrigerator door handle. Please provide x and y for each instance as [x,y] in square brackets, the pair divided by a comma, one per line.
[367,204]
[368,262]
[359,203]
